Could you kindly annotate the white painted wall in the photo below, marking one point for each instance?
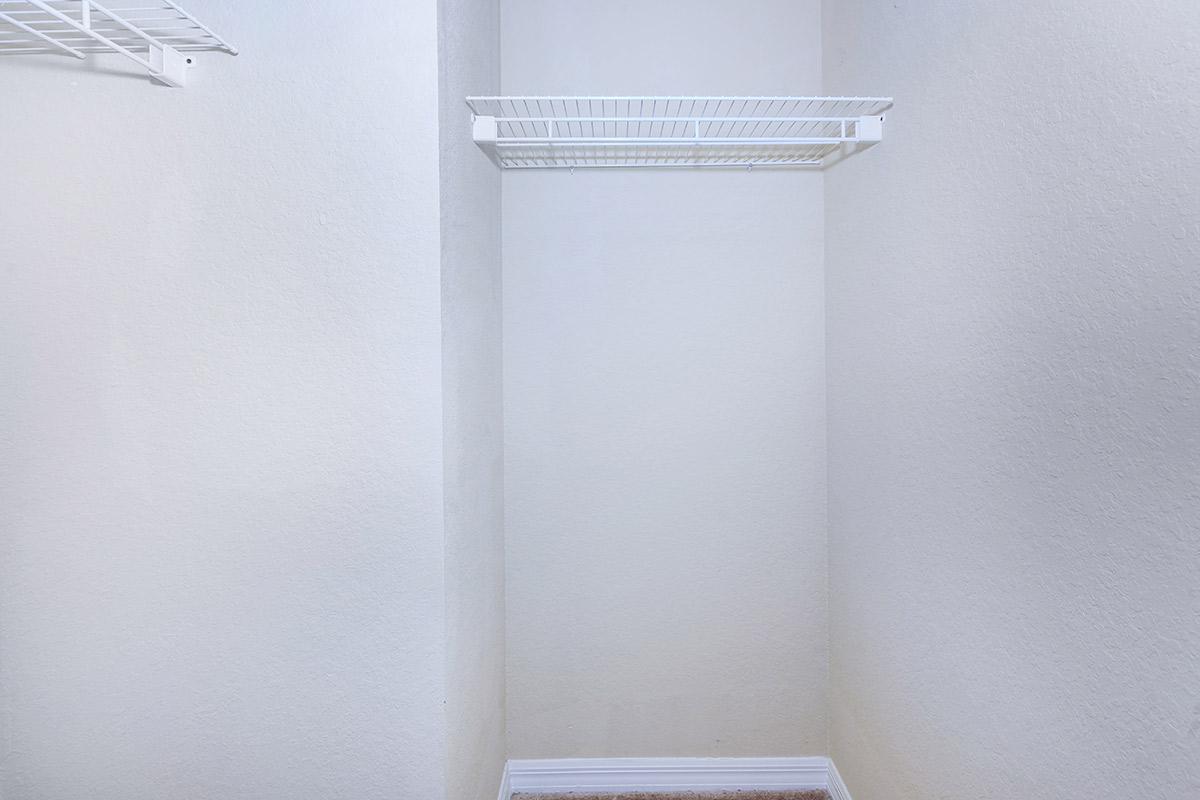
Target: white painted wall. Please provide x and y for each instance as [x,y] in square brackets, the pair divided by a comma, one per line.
[238,558]
[473,416]
[664,407]
[221,550]
[1014,352]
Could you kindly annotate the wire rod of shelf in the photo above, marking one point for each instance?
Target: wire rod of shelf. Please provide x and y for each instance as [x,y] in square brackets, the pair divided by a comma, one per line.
[527,132]
[152,33]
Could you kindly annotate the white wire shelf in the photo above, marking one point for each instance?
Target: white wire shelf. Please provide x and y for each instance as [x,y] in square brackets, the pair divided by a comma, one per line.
[591,132]
[152,33]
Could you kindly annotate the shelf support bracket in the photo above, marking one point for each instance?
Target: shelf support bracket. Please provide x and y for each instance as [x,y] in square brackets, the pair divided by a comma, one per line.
[869,129]
[485,131]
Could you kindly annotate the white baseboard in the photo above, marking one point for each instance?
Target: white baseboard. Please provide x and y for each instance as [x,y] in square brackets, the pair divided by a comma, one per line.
[542,776]
[837,788]
[505,784]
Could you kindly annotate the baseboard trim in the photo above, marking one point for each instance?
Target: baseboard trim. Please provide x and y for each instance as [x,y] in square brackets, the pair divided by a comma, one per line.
[543,776]
[505,784]
[837,787]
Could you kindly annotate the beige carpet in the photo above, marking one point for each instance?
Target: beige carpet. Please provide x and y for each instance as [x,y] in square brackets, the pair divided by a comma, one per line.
[807,794]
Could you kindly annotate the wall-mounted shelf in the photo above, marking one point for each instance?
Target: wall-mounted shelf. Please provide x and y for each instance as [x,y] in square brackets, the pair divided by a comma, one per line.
[587,132]
[152,33]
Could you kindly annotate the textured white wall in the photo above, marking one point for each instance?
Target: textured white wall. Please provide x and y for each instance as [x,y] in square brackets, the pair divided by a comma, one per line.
[664,406]
[470,64]
[1014,352]
[220,417]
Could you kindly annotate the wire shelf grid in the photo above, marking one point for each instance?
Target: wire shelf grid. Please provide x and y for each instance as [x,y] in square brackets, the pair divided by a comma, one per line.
[556,132]
[150,32]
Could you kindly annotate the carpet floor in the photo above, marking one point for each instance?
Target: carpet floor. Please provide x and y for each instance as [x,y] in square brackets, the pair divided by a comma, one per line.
[807,794]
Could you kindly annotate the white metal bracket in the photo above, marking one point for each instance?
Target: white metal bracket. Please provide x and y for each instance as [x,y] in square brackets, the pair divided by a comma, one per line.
[484,129]
[486,133]
[869,129]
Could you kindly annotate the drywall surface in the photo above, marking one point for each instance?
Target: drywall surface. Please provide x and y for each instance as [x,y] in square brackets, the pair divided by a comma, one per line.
[470,206]
[220,417]
[1014,408]
[664,407]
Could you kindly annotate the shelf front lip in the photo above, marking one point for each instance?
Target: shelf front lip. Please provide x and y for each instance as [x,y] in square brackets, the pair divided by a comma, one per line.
[757,98]
[544,142]
[652,165]
[677,119]
[38,51]
[747,109]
